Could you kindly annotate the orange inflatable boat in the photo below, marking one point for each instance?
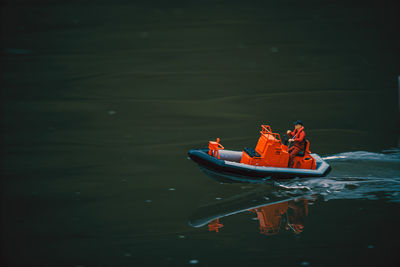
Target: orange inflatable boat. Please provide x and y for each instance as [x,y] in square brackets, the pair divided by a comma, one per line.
[269,159]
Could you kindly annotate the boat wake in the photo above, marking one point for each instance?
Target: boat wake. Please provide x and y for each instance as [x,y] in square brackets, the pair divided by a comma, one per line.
[355,175]
[392,155]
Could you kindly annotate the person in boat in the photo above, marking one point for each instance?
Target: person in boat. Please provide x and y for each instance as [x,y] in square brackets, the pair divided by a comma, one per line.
[298,137]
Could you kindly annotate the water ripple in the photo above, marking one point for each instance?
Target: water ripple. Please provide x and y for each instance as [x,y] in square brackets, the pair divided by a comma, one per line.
[390,155]
[356,175]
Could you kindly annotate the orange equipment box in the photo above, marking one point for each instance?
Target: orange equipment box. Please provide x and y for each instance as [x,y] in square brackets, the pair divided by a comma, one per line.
[272,153]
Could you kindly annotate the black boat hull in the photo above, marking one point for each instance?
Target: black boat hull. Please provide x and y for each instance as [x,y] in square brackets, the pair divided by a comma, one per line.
[229,168]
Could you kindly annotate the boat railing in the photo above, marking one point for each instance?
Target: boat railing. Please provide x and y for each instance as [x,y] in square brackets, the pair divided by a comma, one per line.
[266,129]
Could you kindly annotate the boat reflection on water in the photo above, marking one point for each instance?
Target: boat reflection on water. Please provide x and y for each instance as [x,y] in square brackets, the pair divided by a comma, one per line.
[274,218]
[274,213]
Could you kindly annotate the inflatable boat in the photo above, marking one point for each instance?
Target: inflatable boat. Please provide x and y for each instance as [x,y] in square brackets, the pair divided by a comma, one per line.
[269,160]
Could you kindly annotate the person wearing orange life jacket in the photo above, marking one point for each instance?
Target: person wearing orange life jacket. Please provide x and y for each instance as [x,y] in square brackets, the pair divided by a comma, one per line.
[298,136]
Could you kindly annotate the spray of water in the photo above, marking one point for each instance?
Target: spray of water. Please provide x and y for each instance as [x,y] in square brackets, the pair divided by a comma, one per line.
[355,175]
[392,155]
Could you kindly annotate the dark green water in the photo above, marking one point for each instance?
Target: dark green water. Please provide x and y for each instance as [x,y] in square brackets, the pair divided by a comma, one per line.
[102,100]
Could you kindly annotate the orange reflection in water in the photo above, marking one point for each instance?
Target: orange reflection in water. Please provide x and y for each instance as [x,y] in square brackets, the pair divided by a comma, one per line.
[288,215]
[215,225]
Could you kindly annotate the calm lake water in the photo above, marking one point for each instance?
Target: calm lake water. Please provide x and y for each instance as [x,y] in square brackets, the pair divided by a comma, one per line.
[101,100]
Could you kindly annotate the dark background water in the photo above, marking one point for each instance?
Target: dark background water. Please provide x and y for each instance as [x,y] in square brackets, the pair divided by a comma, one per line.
[101,100]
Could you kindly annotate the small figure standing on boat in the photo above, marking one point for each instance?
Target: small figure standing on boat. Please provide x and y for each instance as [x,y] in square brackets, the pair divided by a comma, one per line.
[298,136]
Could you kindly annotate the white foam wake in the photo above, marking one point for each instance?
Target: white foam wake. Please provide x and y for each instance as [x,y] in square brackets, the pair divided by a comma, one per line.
[355,175]
[392,155]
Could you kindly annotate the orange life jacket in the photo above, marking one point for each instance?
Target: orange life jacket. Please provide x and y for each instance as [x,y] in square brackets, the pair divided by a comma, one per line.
[300,139]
